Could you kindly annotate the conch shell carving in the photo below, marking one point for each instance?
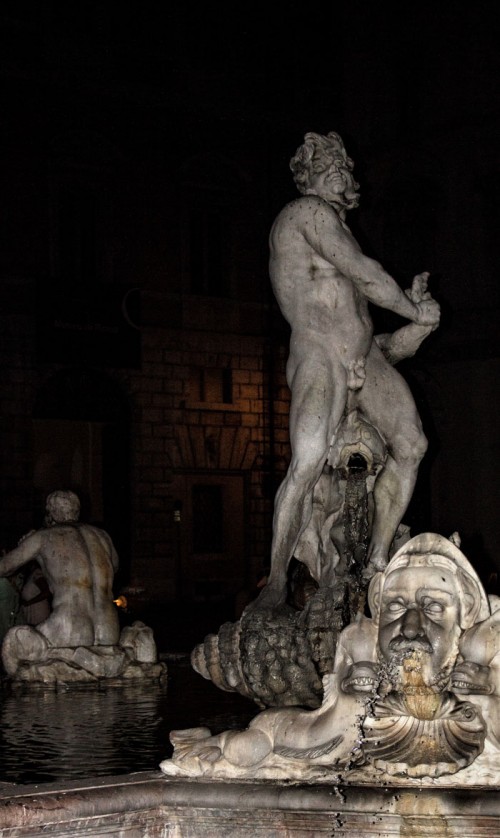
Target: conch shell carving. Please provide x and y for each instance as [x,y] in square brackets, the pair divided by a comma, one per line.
[399,743]
[276,658]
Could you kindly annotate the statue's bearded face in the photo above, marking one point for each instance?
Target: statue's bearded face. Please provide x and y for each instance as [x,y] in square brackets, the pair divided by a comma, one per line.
[420,615]
[335,183]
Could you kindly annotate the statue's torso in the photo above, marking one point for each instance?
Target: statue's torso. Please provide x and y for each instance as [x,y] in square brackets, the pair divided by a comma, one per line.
[315,297]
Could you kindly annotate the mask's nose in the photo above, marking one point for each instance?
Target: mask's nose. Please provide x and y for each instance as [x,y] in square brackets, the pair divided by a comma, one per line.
[412,624]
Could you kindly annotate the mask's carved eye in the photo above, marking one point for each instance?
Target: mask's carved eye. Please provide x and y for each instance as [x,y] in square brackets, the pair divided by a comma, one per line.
[395,607]
[432,607]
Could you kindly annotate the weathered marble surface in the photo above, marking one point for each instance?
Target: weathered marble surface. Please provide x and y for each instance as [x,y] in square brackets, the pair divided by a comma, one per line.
[278,656]
[414,692]
[27,656]
[80,641]
[323,284]
[149,805]
[411,692]
[356,439]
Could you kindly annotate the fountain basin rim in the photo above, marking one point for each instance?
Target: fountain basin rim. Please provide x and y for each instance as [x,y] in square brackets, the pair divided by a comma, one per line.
[66,803]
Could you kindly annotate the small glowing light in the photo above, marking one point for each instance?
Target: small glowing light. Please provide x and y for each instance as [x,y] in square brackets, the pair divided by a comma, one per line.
[121,602]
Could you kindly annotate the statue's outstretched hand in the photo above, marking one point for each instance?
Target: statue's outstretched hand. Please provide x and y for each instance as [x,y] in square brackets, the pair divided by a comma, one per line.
[418,291]
[428,313]
[428,310]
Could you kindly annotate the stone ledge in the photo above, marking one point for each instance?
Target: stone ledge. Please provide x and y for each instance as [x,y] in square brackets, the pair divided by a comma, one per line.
[149,804]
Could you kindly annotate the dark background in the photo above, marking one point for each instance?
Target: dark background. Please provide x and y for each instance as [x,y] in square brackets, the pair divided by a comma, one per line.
[411,88]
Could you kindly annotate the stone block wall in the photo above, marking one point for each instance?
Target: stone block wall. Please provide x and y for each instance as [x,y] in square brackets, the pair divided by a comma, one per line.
[169,432]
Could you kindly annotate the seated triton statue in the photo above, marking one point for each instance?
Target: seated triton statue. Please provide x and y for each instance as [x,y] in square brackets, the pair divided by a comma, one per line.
[80,640]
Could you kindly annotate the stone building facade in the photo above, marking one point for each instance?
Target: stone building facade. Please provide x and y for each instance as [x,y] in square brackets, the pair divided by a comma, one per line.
[149,379]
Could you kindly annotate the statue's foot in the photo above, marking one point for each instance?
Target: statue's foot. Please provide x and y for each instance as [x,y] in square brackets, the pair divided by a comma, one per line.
[376,564]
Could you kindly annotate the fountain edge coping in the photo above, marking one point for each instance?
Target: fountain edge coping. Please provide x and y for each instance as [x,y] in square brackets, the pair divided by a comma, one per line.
[58,803]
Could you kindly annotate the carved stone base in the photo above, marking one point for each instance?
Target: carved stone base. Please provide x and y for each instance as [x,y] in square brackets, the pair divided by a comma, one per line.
[148,804]
[28,657]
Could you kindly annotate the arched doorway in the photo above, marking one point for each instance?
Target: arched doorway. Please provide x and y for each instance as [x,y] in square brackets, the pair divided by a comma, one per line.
[81,433]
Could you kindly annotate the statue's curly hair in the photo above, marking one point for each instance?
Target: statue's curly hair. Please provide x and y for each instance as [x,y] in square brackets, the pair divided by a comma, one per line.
[316,153]
[62,506]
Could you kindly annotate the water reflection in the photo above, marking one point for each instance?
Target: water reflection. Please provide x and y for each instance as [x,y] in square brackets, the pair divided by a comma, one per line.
[49,735]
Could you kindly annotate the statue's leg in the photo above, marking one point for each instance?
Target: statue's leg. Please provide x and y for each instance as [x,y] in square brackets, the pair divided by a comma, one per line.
[318,400]
[387,402]
[315,548]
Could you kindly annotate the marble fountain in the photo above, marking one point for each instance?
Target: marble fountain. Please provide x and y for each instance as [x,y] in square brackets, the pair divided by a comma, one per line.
[371,658]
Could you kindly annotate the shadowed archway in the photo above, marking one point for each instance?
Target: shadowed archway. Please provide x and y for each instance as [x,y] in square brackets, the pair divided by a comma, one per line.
[81,431]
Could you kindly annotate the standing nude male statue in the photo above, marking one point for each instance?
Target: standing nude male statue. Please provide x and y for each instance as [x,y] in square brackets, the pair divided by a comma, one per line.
[323,284]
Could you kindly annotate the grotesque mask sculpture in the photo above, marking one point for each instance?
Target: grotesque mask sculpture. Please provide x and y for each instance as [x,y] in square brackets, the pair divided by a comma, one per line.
[395,702]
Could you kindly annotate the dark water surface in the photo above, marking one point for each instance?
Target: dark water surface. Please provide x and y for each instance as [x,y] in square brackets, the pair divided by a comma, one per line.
[50,735]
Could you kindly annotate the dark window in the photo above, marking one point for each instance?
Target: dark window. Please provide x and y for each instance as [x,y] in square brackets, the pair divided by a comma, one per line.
[208,535]
[227,386]
[211,385]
